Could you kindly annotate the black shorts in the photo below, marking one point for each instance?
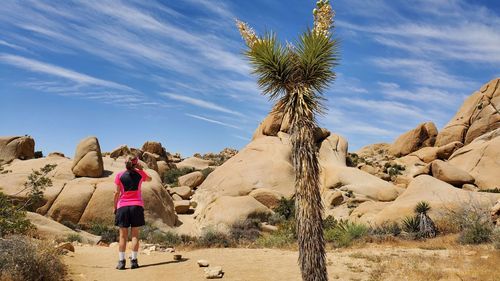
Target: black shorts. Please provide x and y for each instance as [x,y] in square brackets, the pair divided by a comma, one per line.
[130,216]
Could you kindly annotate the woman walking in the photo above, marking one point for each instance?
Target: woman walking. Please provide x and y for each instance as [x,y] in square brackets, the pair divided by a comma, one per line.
[129,208]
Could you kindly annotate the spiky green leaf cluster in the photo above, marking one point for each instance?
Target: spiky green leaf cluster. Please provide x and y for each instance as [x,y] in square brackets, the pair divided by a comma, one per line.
[422,207]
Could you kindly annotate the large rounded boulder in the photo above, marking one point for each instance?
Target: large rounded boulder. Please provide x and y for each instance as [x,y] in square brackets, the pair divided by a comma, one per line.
[88,159]
[20,147]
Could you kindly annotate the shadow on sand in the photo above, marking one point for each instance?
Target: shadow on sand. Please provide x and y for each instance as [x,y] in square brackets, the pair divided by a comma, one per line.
[163,263]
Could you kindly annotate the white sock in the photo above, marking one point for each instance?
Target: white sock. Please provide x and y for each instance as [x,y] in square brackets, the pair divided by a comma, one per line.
[134,255]
[121,255]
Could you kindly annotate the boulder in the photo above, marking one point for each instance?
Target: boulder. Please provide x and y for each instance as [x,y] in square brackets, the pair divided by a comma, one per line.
[202,263]
[163,168]
[192,180]
[183,191]
[495,213]
[441,196]
[450,174]
[182,206]
[214,272]
[332,198]
[217,215]
[444,152]
[66,246]
[72,201]
[150,160]
[267,197]
[100,206]
[481,159]
[176,197]
[270,126]
[88,159]
[470,187]
[56,154]
[155,148]
[426,154]
[422,136]
[20,147]
[51,230]
[121,151]
[477,115]
[193,163]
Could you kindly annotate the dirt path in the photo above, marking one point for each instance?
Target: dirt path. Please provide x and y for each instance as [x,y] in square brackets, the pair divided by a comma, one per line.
[370,263]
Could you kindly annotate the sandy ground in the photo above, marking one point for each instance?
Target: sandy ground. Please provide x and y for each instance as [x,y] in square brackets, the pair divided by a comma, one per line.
[364,263]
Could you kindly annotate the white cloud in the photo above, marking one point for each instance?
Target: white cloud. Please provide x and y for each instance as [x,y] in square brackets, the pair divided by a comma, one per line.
[45,68]
[201,103]
[212,121]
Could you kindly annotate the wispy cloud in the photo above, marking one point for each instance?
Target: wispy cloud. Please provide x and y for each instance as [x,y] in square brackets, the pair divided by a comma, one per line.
[13,46]
[50,69]
[200,103]
[212,121]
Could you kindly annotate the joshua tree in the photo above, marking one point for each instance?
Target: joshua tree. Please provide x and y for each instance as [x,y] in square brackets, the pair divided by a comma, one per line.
[295,76]
[426,225]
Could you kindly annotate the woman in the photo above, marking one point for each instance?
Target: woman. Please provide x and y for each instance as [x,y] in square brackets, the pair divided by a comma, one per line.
[129,208]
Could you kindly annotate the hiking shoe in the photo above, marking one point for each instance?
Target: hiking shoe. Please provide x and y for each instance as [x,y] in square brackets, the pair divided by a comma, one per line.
[121,265]
[134,264]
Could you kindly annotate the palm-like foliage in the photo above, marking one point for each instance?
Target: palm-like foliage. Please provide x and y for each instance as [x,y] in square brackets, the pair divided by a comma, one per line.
[295,76]
[427,228]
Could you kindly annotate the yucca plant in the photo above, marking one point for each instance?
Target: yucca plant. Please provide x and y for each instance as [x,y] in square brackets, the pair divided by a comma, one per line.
[427,228]
[411,224]
[295,76]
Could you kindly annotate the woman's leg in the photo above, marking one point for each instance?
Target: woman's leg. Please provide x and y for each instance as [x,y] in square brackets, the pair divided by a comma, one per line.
[135,239]
[123,239]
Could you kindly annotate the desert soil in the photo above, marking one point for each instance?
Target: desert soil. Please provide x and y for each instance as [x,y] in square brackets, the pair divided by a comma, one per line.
[372,263]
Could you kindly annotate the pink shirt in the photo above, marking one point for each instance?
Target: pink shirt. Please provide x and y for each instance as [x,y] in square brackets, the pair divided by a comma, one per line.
[130,187]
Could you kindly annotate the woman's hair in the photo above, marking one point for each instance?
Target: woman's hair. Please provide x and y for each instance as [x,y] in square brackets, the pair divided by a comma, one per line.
[131,162]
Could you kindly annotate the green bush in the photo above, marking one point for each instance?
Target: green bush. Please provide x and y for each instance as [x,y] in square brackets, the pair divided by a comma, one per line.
[36,184]
[213,238]
[329,222]
[74,237]
[12,218]
[411,224]
[477,232]
[492,190]
[108,233]
[286,235]
[207,171]
[286,208]
[386,228]
[171,176]
[393,169]
[22,259]
[344,233]
[71,225]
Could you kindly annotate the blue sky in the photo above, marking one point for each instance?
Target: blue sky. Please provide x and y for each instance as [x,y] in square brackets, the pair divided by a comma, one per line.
[172,71]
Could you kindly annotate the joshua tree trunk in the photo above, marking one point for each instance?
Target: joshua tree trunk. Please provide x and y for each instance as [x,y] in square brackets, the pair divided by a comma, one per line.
[427,229]
[308,202]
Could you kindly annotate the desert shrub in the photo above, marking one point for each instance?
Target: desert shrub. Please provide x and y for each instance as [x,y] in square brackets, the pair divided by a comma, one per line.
[275,219]
[353,160]
[473,223]
[151,234]
[71,225]
[393,169]
[330,222]
[12,218]
[35,186]
[74,237]
[495,238]
[22,259]
[286,208]
[492,190]
[344,233]
[213,238]
[171,176]
[247,230]
[207,171]
[386,228]
[38,154]
[107,232]
[284,236]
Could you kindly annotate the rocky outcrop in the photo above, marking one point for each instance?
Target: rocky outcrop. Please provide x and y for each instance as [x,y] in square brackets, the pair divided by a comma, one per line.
[11,148]
[155,148]
[423,135]
[267,197]
[150,160]
[481,159]
[84,200]
[121,151]
[441,196]
[479,114]
[193,163]
[88,159]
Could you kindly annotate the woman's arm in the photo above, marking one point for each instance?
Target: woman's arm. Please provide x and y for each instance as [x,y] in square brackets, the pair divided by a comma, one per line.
[117,196]
[148,177]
